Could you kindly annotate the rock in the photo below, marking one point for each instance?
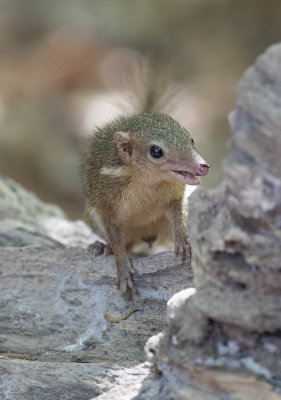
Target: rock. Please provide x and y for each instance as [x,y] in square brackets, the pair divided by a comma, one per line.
[55,341]
[26,220]
[16,234]
[224,341]
[53,303]
[19,204]
[22,379]
[237,257]
[181,308]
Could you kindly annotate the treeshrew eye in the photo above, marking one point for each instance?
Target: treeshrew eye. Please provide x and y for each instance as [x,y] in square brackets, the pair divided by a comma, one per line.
[156,151]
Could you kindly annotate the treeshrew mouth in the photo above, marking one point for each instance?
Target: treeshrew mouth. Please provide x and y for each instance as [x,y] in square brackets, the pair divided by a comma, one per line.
[187,177]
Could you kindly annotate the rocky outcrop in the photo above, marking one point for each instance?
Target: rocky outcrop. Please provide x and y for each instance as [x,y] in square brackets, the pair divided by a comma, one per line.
[25,220]
[65,330]
[223,339]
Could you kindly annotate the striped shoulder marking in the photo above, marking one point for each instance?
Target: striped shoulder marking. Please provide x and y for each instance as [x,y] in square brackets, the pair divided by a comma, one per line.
[119,171]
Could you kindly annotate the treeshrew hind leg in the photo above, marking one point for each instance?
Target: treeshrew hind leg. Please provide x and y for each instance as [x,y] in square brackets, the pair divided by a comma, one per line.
[99,248]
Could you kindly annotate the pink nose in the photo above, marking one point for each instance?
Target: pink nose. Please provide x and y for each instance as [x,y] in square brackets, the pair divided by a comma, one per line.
[203,169]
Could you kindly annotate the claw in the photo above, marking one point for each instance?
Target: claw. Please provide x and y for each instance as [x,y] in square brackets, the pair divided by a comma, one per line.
[182,248]
[124,281]
[123,286]
[130,283]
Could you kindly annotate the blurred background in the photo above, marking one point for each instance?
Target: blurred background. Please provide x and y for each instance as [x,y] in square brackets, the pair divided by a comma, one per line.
[60,67]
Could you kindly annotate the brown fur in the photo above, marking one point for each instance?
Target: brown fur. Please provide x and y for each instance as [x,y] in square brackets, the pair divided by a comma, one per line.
[131,195]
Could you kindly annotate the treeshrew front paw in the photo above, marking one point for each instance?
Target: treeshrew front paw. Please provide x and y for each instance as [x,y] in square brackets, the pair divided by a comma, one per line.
[124,279]
[182,247]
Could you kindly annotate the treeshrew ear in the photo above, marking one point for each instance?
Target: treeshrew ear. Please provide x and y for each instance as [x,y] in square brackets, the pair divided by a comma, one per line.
[124,146]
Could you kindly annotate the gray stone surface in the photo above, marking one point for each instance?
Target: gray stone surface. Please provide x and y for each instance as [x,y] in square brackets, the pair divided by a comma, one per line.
[19,204]
[53,303]
[26,220]
[23,380]
[223,339]
[55,342]
[237,258]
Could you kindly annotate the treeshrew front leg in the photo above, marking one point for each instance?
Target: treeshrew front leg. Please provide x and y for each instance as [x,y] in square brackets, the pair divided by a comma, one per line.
[124,268]
[178,218]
